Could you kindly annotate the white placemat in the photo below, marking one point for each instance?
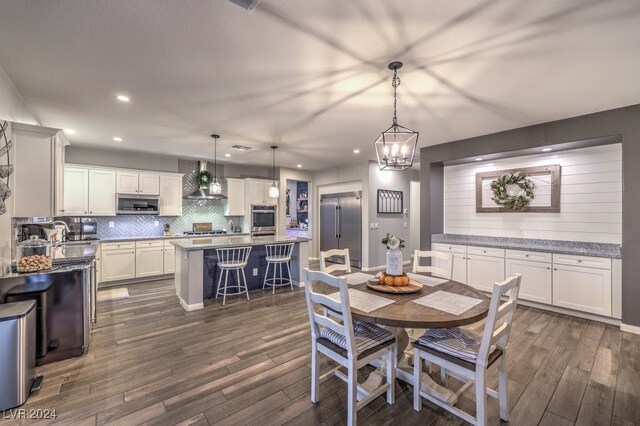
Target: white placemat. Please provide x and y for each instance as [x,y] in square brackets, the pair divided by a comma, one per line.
[363,301]
[357,278]
[444,301]
[426,280]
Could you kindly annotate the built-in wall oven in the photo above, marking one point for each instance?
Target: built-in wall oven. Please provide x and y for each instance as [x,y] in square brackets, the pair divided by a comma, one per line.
[263,220]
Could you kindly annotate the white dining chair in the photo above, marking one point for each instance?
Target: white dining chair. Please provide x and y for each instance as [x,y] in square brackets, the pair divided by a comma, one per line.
[433,270]
[342,253]
[351,344]
[466,355]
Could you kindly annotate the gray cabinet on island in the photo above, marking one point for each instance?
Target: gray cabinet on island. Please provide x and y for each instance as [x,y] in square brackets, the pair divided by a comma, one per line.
[197,271]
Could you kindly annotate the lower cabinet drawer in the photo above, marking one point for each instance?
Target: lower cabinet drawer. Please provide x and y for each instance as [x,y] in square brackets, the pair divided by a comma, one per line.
[486,251]
[149,243]
[449,248]
[118,246]
[584,261]
[536,279]
[533,256]
[582,289]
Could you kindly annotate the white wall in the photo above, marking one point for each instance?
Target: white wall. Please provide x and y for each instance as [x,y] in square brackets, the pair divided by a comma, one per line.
[12,108]
[590,203]
[120,158]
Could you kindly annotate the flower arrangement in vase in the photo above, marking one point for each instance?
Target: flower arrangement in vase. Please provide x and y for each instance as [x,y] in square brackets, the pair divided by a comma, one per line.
[394,254]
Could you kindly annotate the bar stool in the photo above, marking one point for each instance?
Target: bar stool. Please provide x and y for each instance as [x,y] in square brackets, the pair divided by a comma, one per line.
[277,255]
[232,259]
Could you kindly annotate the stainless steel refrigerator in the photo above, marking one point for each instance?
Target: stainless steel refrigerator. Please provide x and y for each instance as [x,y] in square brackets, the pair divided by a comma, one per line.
[341,224]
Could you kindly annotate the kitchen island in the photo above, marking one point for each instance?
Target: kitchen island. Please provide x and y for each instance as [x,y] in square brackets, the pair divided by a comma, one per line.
[197,273]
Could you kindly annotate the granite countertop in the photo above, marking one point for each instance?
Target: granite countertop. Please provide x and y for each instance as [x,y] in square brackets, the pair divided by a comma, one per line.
[56,268]
[162,237]
[208,243]
[74,253]
[612,251]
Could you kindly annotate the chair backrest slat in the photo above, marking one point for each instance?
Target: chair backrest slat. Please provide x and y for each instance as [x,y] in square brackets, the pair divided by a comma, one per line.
[322,319]
[433,270]
[280,251]
[343,253]
[238,256]
[500,317]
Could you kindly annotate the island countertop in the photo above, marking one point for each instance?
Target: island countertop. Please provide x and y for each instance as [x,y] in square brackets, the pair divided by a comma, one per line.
[209,243]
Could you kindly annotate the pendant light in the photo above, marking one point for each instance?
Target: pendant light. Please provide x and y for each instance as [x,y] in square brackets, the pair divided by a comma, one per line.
[274,191]
[215,188]
[396,146]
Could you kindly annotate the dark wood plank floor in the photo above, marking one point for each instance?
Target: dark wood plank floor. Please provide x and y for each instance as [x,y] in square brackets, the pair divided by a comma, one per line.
[151,362]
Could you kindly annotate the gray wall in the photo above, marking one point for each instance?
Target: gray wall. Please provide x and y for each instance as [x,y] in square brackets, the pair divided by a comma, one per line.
[624,122]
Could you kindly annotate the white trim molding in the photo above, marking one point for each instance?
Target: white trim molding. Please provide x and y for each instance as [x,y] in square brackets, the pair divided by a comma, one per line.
[188,307]
[630,328]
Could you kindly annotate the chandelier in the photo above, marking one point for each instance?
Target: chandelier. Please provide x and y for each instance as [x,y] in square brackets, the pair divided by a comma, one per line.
[396,146]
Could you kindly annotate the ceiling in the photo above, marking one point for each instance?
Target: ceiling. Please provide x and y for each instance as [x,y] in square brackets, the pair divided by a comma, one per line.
[311,76]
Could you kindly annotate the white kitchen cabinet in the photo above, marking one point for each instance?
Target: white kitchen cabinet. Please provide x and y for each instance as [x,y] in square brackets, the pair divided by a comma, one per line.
[38,176]
[484,271]
[131,182]
[149,184]
[102,192]
[536,279]
[118,264]
[76,191]
[126,182]
[258,192]
[582,289]
[459,272]
[169,258]
[170,195]
[235,197]
[149,261]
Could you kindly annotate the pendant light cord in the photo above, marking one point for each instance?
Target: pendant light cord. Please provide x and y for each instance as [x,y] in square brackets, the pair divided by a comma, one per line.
[215,159]
[395,82]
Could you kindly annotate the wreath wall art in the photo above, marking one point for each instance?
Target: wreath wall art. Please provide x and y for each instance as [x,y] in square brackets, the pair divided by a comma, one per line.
[529,189]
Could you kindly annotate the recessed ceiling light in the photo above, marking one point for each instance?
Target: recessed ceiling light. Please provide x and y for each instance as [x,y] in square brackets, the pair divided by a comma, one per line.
[227,155]
[299,166]
[356,151]
[546,149]
[479,159]
[123,98]
[70,131]
[117,139]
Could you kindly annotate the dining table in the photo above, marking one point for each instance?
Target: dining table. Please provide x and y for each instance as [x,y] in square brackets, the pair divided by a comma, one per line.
[405,313]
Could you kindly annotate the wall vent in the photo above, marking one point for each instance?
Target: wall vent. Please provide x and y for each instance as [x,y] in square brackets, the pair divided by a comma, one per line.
[241,147]
[248,5]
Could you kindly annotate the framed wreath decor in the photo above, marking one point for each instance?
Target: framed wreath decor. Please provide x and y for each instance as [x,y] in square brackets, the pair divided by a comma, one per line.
[204,178]
[512,190]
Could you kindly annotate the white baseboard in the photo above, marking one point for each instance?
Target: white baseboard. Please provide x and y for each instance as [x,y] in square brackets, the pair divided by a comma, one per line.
[630,328]
[313,259]
[560,310]
[187,307]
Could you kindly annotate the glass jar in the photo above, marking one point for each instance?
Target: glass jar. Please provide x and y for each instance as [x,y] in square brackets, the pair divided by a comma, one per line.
[33,255]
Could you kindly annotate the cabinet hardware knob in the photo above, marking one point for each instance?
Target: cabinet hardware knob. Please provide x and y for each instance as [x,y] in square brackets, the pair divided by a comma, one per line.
[526,255]
[62,210]
[579,260]
[548,268]
[555,269]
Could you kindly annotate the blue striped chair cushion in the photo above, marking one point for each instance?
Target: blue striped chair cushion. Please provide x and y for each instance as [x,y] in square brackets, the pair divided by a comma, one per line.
[460,343]
[366,336]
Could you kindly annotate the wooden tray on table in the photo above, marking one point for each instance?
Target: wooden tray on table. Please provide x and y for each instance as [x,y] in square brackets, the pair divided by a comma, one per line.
[413,287]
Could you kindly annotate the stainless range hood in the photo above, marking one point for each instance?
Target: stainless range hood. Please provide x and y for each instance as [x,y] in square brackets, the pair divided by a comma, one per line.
[203,193]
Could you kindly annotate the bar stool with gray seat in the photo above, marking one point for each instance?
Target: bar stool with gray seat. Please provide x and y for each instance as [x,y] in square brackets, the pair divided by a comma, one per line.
[278,255]
[232,259]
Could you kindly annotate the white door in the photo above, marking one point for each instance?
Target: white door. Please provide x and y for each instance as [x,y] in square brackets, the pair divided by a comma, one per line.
[170,195]
[118,264]
[235,197]
[76,191]
[170,260]
[484,271]
[102,192]
[149,261]
[582,289]
[148,184]
[536,279]
[255,192]
[127,183]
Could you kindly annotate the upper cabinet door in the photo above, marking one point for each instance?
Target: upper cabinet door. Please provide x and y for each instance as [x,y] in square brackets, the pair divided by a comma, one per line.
[148,184]
[126,183]
[255,191]
[76,191]
[170,195]
[235,197]
[102,193]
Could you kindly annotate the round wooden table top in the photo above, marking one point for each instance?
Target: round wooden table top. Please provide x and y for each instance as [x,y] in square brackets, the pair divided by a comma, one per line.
[405,313]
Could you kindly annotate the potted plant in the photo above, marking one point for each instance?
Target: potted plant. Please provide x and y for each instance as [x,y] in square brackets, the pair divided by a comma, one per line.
[394,254]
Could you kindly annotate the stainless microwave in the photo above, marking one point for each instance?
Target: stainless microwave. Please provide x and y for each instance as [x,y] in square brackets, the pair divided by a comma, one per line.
[263,220]
[137,204]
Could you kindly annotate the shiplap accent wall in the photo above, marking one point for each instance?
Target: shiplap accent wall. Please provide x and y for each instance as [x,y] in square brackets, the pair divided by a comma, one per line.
[590,204]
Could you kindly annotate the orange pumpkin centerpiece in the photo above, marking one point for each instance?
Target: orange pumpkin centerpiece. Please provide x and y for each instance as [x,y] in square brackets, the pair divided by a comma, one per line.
[396,281]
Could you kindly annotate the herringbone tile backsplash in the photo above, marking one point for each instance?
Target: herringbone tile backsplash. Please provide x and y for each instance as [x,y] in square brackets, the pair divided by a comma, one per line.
[192,211]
